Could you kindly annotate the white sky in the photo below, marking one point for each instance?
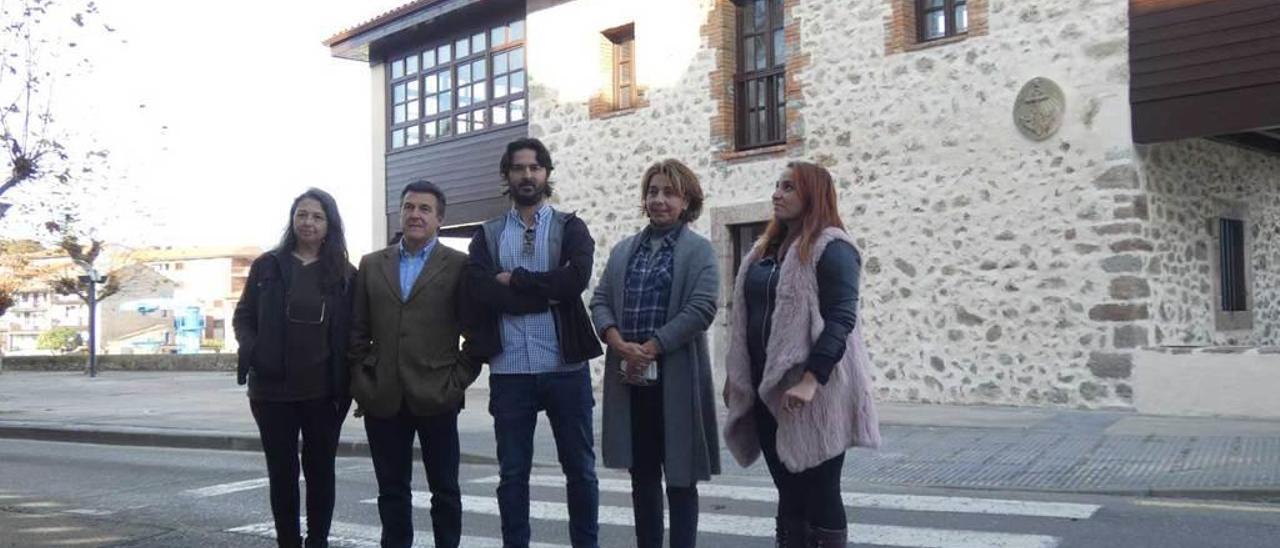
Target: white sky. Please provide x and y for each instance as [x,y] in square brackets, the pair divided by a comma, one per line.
[244,109]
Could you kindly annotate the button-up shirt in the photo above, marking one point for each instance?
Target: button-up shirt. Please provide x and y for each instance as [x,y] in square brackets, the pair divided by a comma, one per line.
[411,266]
[648,285]
[530,344]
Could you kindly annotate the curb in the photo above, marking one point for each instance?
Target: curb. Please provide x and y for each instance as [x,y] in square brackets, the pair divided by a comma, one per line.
[142,437]
[1239,494]
[145,437]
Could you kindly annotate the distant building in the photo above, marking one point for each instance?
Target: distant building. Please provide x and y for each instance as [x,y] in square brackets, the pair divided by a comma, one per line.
[170,300]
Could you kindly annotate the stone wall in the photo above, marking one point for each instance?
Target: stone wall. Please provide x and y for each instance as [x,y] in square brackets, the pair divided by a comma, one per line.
[124,362]
[996,269]
[1190,183]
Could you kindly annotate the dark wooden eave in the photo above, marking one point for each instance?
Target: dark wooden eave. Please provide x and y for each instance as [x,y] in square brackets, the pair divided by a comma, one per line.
[1205,68]
[355,42]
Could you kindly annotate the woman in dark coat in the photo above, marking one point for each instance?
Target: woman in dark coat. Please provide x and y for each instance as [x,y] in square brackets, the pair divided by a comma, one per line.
[653,305]
[291,323]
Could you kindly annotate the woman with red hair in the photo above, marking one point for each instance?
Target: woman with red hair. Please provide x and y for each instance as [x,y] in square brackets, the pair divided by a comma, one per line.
[798,387]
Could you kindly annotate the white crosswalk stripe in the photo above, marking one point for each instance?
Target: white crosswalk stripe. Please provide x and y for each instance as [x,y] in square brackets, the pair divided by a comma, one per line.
[725,524]
[352,535]
[228,488]
[718,523]
[909,503]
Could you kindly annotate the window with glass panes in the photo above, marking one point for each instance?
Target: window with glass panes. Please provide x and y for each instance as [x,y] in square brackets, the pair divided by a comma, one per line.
[942,18]
[467,84]
[760,89]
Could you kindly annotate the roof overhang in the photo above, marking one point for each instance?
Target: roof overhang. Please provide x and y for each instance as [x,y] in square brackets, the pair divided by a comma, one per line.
[1205,69]
[357,42]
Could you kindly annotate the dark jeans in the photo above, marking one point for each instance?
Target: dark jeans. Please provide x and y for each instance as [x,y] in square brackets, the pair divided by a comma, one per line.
[647,456]
[320,423]
[514,402]
[812,495]
[391,445]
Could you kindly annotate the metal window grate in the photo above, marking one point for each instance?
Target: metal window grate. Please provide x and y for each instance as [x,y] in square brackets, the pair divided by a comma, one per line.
[1232,265]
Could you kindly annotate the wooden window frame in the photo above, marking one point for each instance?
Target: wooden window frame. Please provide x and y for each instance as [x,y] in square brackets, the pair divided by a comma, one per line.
[623,60]
[772,77]
[948,10]
[452,66]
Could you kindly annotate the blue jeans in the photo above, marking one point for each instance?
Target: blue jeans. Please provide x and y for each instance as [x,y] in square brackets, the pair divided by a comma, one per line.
[514,402]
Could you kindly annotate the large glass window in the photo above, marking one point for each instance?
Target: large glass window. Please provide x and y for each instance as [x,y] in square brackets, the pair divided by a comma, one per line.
[468,83]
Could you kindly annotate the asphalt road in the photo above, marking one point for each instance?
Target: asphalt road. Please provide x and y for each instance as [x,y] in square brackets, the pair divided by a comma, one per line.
[61,494]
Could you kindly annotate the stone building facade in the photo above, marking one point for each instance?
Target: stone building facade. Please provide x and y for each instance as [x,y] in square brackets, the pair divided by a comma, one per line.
[996,268]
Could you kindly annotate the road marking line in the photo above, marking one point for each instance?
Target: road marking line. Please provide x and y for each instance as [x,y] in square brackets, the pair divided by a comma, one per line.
[1206,506]
[51,530]
[39,505]
[91,541]
[228,488]
[724,524]
[910,503]
[89,512]
[352,535]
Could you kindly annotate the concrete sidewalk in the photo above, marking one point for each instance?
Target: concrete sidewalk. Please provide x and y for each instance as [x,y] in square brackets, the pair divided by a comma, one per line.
[973,447]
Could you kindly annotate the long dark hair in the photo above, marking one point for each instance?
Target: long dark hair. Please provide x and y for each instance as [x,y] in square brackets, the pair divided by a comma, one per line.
[334,261]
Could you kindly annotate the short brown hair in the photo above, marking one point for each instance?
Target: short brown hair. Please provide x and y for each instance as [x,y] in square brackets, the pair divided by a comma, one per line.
[683,179]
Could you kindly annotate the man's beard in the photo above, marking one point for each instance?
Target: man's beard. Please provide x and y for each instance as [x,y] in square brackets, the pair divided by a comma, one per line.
[518,195]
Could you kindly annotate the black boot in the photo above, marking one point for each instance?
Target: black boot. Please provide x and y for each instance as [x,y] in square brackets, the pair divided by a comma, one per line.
[828,538]
[791,533]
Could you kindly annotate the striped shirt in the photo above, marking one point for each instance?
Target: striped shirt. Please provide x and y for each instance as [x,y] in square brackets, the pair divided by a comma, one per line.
[530,344]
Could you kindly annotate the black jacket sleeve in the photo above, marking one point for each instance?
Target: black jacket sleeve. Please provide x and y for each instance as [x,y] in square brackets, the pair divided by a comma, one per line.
[245,321]
[568,279]
[483,288]
[838,273]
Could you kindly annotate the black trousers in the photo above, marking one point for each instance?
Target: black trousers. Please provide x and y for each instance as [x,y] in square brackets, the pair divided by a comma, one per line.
[320,423]
[391,445]
[812,495]
[648,455]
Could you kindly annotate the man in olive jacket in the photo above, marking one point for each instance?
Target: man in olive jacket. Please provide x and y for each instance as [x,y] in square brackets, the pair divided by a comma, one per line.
[407,372]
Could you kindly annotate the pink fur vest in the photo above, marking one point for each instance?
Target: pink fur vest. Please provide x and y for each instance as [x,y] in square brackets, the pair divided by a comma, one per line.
[842,413]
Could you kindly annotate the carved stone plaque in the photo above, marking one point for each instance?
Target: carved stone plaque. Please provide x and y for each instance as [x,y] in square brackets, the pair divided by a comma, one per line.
[1038,111]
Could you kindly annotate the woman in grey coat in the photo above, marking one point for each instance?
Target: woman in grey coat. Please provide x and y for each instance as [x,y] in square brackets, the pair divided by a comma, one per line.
[653,306]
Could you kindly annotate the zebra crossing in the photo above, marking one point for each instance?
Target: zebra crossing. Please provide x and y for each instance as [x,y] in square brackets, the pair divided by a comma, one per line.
[479,501]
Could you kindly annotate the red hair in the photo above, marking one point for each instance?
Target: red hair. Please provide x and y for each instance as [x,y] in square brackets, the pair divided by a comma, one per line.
[817,193]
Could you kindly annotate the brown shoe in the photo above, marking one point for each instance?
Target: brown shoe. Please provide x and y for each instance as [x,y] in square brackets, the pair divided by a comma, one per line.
[828,538]
[791,533]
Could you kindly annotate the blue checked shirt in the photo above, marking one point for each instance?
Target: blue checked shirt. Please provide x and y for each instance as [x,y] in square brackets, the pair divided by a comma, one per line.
[411,266]
[529,342]
[647,287]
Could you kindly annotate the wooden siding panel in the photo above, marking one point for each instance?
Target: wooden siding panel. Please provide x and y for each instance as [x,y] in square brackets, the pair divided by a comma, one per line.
[1200,68]
[1249,48]
[1208,26]
[465,168]
[1229,73]
[1148,14]
[1195,42]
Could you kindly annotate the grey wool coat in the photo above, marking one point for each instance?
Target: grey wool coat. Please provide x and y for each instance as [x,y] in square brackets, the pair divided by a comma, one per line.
[692,445]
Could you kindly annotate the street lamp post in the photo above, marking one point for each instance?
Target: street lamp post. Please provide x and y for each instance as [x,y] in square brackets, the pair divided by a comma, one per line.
[92,279]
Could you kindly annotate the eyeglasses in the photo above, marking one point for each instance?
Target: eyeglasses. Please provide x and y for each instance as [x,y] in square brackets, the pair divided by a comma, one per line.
[288,310]
[528,241]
